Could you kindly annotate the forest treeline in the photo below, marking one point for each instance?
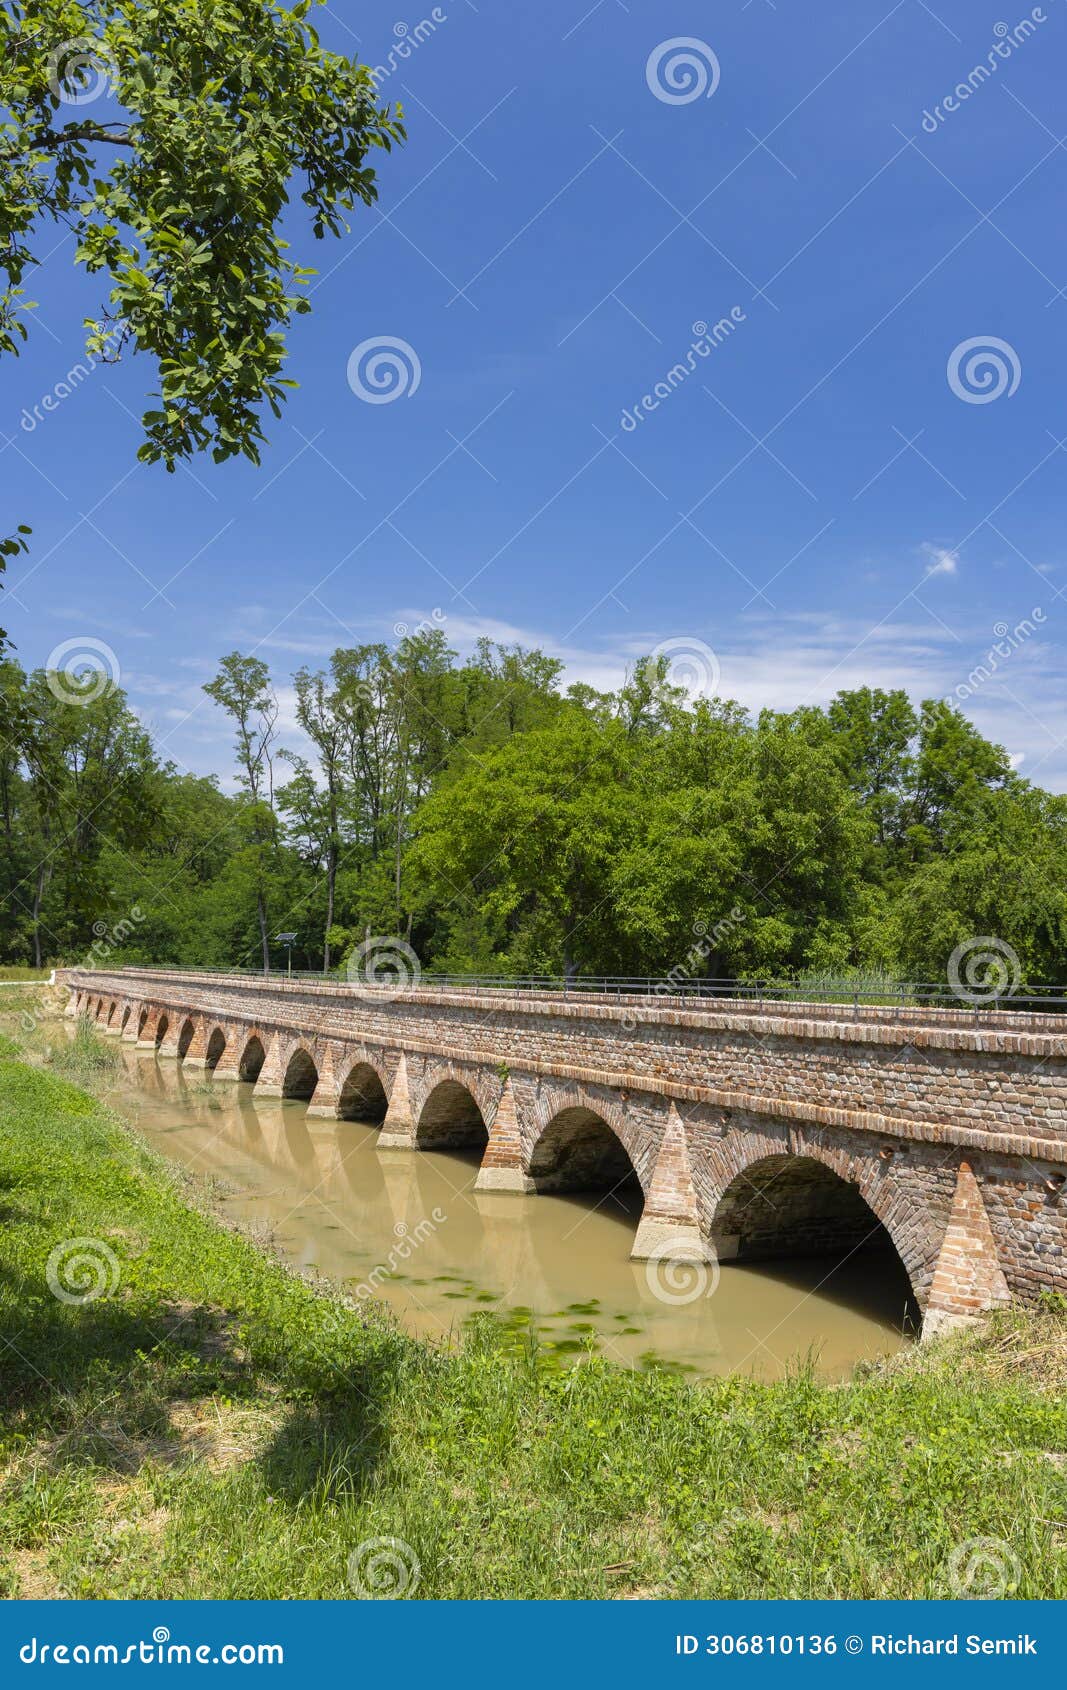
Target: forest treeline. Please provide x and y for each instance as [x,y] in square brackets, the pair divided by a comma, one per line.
[501,824]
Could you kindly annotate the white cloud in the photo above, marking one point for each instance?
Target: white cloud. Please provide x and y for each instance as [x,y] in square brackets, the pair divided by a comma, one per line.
[767,660]
[939,561]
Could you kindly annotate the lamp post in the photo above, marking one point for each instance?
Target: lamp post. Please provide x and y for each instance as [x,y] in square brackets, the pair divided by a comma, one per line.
[288,940]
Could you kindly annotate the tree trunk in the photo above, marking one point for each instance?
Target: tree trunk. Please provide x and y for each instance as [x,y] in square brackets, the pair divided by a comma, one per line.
[38,899]
[331,877]
[261,915]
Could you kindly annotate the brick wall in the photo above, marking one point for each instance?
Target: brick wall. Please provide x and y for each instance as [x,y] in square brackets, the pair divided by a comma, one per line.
[894,1103]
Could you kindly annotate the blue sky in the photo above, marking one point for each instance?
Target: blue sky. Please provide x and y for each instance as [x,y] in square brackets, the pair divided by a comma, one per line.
[817,503]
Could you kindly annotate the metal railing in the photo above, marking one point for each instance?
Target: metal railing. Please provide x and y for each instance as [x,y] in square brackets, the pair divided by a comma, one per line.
[911,1001]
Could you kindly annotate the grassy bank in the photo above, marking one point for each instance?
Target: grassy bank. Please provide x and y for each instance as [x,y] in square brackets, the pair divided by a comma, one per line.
[213,1426]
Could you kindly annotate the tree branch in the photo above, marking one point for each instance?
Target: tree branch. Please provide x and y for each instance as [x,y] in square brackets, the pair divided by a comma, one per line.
[86,132]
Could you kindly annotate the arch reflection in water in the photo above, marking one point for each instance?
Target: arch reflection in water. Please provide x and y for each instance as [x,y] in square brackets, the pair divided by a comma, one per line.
[559,1258]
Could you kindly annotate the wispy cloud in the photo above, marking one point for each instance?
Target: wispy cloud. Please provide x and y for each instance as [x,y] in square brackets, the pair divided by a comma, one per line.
[939,560]
[768,660]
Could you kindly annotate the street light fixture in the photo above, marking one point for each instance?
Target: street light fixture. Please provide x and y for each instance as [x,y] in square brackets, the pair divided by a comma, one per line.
[288,940]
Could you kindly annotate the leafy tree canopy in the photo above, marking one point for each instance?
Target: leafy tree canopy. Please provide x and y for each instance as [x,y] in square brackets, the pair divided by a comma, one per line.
[471,810]
[169,138]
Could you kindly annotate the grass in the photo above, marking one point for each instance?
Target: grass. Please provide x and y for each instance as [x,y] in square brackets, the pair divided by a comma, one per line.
[214,1426]
[10,971]
[872,987]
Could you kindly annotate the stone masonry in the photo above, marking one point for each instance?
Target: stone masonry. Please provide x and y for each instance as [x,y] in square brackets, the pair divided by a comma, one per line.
[752,1129]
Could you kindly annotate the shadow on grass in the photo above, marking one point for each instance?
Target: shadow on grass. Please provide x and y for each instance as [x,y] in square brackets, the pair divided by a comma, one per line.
[330,1451]
[100,1383]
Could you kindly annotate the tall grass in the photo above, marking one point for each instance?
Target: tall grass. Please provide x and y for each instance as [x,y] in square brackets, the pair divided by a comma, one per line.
[865,986]
[85,1057]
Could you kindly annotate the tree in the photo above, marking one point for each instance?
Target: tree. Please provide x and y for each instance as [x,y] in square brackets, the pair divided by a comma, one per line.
[11,547]
[86,785]
[242,688]
[1002,875]
[872,734]
[525,836]
[176,196]
[954,766]
[319,813]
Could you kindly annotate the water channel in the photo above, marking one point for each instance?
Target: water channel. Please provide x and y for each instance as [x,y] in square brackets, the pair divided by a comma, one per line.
[407,1227]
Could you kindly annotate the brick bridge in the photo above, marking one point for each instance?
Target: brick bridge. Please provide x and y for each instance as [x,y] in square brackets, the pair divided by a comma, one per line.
[752,1130]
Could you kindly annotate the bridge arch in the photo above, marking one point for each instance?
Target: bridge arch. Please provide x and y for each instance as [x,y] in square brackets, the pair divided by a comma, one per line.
[125,1019]
[186,1035]
[216,1044]
[301,1074]
[580,1150]
[252,1058]
[795,1195]
[451,1117]
[111,1012]
[141,1021]
[161,1030]
[362,1096]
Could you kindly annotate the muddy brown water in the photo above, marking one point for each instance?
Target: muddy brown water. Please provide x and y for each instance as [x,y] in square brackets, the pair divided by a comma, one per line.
[408,1227]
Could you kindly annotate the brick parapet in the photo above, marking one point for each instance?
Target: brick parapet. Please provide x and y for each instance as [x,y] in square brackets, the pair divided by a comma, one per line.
[957,1092]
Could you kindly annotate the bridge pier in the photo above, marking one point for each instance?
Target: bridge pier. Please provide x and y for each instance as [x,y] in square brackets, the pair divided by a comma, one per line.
[670,1221]
[398,1128]
[502,1166]
[146,1038]
[968,1279]
[324,1098]
[272,1074]
[168,1044]
[228,1065]
[196,1053]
